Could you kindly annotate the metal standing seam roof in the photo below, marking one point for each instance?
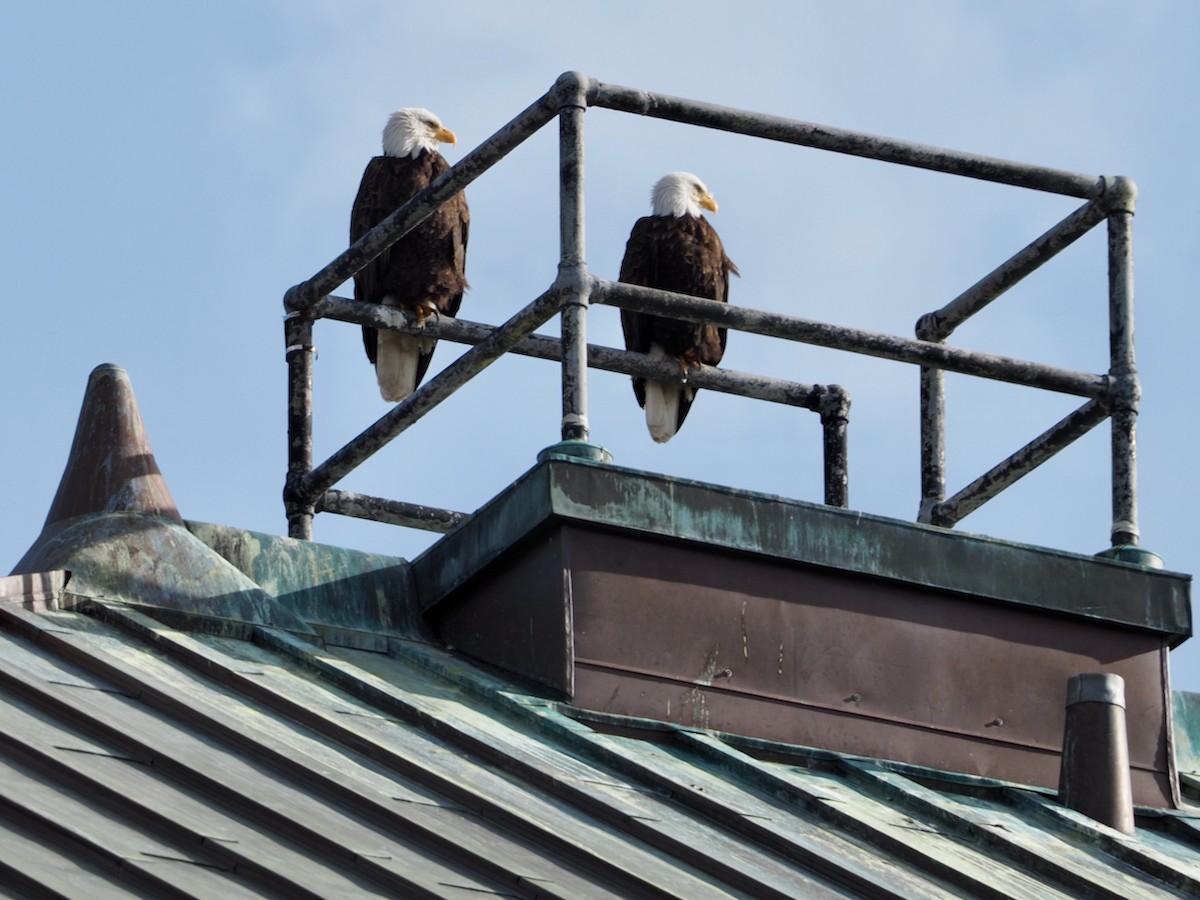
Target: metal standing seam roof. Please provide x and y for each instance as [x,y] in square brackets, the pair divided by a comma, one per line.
[140,759]
[189,710]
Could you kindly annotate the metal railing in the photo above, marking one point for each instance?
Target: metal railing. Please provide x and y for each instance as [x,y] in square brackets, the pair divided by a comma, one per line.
[1115,395]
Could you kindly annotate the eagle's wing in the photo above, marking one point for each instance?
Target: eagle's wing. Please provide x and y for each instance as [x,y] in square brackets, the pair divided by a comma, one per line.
[639,266]
[713,268]
[364,215]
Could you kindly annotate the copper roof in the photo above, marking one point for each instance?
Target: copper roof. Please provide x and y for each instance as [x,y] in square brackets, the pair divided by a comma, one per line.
[143,759]
[306,735]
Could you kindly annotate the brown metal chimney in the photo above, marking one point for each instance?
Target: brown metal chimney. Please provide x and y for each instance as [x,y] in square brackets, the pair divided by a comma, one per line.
[1094,778]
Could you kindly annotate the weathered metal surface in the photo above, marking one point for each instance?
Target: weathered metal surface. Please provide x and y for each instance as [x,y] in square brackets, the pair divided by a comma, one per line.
[610,359]
[682,634]
[114,528]
[833,403]
[1120,400]
[1185,708]
[516,618]
[940,324]
[755,615]
[1126,389]
[300,353]
[152,561]
[421,401]
[111,467]
[933,442]
[281,769]
[1095,758]
[855,340]
[394,512]
[1017,466]
[575,288]
[37,590]
[349,597]
[656,506]
[838,140]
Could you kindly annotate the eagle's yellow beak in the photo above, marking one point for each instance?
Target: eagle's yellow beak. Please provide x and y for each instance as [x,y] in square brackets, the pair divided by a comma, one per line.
[709,202]
[446,136]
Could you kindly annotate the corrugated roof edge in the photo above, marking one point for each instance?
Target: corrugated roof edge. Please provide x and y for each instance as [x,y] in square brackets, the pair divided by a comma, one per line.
[1024,832]
[574,727]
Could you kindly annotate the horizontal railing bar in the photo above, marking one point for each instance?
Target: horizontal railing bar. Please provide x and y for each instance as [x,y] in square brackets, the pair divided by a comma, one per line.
[869,343]
[623,362]
[839,140]
[1006,473]
[413,407]
[940,324]
[392,512]
[422,204]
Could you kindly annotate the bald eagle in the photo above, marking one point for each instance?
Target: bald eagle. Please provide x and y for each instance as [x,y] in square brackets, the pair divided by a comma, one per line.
[423,272]
[675,249]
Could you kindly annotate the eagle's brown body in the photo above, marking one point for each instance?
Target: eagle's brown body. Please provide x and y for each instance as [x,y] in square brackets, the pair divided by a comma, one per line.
[426,269]
[682,254]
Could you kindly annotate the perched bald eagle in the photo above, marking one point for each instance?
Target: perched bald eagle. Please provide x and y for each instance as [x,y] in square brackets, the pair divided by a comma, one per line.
[675,249]
[423,272]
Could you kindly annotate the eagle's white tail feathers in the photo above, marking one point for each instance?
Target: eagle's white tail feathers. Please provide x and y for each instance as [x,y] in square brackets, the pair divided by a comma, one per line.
[396,361]
[662,409]
[662,401]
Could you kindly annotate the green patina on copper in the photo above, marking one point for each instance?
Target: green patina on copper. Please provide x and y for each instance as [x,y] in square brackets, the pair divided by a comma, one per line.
[1185,714]
[560,489]
[153,561]
[339,592]
[114,527]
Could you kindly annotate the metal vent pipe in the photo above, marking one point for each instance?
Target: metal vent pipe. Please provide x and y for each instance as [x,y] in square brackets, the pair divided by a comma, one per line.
[1094,778]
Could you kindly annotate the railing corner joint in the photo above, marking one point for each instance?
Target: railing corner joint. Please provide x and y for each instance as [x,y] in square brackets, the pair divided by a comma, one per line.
[574,89]
[1119,194]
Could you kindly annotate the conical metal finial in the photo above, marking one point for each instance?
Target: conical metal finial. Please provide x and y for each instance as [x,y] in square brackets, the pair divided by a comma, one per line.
[111,467]
[114,527]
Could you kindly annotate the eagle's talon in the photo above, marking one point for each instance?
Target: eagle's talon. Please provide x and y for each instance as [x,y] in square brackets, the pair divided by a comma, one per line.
[425,311]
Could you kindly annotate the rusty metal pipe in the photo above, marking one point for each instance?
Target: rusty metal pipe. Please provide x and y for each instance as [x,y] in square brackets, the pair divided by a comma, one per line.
[1017,466]
[933,441]
[1125,396]
[870,343]
[416,405]
[609,359]
[833,403]
[839,140]
[575,289]
[940,324]
[1094,776]
[574,283]
[393,512]
[299,351]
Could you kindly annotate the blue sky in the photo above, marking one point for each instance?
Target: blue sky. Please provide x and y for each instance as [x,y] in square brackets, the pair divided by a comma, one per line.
[169,169]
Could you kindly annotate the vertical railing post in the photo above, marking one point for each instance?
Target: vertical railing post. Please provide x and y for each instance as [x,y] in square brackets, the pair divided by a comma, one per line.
[834,407]
[933,428]
[1125,393]
[933,442]
[298,329]
[573,280]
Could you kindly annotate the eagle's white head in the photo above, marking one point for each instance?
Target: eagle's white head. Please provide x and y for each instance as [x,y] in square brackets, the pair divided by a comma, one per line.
[409,131]
[680,194]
